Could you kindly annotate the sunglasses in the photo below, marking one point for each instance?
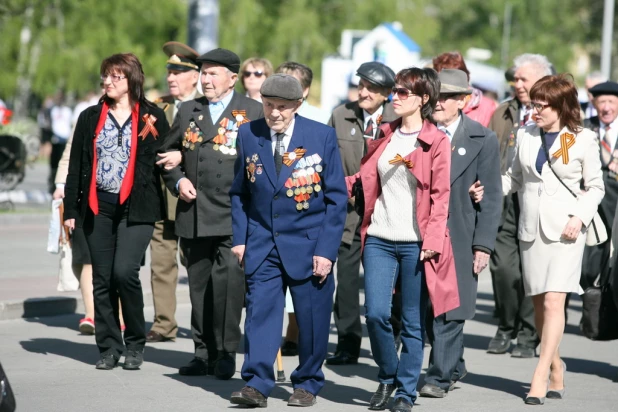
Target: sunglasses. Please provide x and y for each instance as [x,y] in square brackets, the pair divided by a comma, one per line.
[402,93]
[539,107]
[256,73]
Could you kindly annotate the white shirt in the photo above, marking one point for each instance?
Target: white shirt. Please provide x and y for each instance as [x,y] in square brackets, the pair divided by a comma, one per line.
[613,132]
[373,117]
[451,129]
[178,102]
[286,138]
[61,121]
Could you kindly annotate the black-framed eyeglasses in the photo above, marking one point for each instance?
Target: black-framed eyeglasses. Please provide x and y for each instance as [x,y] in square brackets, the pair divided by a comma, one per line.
[115,78]
[257,73]
[402,93]
[539,107]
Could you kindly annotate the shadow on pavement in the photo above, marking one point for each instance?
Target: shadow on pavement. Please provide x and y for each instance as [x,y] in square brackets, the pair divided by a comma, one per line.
[588,367]
[497,383]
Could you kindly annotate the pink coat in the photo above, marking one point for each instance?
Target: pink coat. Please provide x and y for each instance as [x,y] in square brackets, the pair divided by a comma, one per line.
[481,111]
[431,165]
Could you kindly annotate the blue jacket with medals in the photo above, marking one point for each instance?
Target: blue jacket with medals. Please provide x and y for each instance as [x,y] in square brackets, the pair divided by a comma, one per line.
[302,211]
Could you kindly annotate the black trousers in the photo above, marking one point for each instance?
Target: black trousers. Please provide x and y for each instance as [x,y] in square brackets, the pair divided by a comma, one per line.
[54,159]
[217,292]
[347,300]
[446,362]
[515,310]
[116,249]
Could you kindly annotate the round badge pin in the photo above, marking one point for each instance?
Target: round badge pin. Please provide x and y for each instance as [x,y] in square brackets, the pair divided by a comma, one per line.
[224,149]
[292,156]
[233,152]
[252,179]
[239,117]
[318,168]
[461,151]
[317,188]
[353,132]
[216,147]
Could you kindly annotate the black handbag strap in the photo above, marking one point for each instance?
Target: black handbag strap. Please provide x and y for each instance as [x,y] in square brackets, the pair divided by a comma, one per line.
[544,144]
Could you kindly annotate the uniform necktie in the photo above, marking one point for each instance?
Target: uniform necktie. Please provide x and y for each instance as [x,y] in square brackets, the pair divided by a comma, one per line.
[279,149]
[369,130]
[606,139]
[526,118]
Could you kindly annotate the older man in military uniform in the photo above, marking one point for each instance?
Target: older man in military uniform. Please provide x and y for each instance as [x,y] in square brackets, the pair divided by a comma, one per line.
[356,124]
[182,76]
[205,130]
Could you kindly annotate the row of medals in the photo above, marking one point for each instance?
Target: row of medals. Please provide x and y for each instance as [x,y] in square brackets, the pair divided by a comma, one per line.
[311,187]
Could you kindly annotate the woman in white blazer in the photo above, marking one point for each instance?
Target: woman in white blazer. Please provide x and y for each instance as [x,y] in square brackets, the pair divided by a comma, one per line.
[553,223]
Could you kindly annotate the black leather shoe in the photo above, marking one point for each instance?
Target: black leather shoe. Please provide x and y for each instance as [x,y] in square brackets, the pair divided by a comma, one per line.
[107,362]
[432,391]
[225,366]
[289,349]
[401,405]
[342,358]
[133,360]
[523,351]
[249,397]
[301,397]
[196,367]
[156,337]
[381,396]
[499,344]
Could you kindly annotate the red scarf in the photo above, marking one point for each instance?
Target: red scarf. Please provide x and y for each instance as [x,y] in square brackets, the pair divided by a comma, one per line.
[127,182]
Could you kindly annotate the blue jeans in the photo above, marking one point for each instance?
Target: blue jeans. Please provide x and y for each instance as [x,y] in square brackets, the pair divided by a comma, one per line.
[383,262]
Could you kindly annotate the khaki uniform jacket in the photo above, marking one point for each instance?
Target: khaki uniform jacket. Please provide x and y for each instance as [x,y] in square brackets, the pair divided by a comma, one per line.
[167,104]
[348,121]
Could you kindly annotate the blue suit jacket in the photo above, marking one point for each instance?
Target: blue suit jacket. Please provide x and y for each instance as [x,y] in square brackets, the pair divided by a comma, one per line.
[263,216]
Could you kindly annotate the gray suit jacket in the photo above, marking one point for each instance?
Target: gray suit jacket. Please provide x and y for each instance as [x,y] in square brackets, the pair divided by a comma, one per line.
[475,156]
[211,171]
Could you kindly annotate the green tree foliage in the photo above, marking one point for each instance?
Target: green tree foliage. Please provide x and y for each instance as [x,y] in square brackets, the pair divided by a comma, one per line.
[74,35]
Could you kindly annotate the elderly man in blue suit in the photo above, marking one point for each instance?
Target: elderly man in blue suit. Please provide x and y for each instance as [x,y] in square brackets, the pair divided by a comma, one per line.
[288,212]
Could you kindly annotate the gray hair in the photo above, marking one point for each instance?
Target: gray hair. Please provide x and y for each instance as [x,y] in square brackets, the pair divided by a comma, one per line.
[540,62]
[597,75]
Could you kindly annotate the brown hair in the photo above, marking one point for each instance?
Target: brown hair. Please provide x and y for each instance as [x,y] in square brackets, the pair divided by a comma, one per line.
[129,65]
[266,65]
[560,93]
[450,60]
[421,82]
[304,73]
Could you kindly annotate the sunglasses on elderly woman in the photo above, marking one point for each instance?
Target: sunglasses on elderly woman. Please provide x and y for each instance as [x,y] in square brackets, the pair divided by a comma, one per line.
[402,93]
[257,73]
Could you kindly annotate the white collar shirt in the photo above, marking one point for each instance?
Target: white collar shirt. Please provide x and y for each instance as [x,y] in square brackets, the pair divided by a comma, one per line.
[286,138]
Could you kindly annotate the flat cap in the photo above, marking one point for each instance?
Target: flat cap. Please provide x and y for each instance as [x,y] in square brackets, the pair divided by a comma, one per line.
[181,57]
[377,73]
[221,57]
[454,81]
[604,88]
[282,86]
[509,74]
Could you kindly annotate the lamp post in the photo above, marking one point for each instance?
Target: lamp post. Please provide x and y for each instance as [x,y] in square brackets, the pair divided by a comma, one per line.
[606,43]
[203,30]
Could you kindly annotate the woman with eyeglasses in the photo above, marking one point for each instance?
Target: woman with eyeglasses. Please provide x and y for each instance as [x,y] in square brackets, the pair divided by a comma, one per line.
[557,169]
[405,179]
[112,191]
[254,71]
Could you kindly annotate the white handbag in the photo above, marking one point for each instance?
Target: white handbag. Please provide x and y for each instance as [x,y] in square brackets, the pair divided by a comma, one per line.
[67,282]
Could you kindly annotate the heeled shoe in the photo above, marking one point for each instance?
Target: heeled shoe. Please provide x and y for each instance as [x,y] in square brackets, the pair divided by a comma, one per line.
[558,394]
[533,400]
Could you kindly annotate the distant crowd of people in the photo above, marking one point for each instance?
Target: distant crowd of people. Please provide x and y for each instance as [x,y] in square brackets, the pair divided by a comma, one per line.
[422,178]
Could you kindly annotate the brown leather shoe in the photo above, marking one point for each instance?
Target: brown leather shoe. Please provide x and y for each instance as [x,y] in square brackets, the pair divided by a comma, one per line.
[301,397]
[155,337]
[249,397]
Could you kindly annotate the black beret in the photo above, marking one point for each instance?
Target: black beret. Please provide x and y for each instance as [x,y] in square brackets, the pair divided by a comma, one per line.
[282,86]
[221,57]
[181,57]
[509,75]
[604,88]
[377,73]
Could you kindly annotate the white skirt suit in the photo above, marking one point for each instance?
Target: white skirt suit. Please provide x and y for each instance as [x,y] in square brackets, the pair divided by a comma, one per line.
[549,263]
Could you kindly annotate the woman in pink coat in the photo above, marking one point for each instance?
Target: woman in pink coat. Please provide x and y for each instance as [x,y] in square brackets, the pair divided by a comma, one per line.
[405,178]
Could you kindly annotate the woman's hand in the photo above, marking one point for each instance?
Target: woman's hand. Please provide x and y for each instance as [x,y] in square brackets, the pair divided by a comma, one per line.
[70,223]
[572,229]
[169,160]
[58,193]
[427,254]
[476,191]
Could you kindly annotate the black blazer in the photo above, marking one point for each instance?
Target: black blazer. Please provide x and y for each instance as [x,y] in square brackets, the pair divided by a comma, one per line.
[146,199]
[210,171]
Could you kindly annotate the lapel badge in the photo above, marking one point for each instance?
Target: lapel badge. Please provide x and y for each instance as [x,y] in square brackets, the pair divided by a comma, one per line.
[200,117]
[461,151]
[254,158]
[353,132]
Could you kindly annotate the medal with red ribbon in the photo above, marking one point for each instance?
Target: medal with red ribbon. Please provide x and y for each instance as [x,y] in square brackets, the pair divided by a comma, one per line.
[566,141]
[149,127]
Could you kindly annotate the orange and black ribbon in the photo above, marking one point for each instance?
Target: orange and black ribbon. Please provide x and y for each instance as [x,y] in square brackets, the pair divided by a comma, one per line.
[398,158]
[299,154]
[243,113]
[149,127]
[566,141]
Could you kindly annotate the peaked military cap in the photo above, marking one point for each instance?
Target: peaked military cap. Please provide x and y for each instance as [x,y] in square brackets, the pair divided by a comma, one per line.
[181,57]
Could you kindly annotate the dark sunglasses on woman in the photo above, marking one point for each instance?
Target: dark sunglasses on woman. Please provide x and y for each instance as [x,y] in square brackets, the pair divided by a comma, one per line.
[256,73]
